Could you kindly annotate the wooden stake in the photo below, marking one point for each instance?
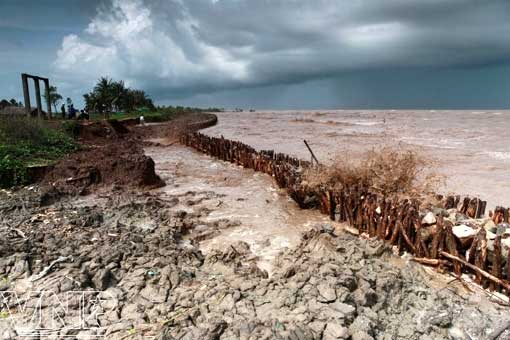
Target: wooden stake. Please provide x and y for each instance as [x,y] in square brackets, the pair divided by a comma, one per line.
[481,257]
[451,245]
[496,260]
[437,240]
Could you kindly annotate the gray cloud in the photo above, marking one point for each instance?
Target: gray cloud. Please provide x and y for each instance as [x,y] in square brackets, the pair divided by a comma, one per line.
[177,48]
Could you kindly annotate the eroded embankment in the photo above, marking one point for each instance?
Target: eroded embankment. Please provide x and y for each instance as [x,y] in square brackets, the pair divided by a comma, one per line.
[441,234]
[112,155]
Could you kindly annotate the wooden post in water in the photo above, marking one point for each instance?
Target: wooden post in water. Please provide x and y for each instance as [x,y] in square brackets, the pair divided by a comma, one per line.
[311,152]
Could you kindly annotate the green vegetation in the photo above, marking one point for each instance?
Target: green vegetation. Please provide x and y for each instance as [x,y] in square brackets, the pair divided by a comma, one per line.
[6,103]
[109,96]
[112,99]
[26,142]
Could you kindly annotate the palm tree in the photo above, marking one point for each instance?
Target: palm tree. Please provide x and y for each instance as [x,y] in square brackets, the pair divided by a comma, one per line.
[103,90]
[108,94]
[91,101]
[118,91]
[104,96]
[140,99]
[55,97]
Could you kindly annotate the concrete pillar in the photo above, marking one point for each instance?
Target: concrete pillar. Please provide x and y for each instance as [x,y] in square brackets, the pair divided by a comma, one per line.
[38,97]
[26,93]
[47,92]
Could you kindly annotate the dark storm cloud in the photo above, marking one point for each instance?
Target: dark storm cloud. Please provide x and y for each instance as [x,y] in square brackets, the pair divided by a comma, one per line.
[180,48]
[30,34]
[185,47]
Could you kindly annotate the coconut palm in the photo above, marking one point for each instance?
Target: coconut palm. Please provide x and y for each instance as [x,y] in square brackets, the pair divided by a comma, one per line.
[118,92]
[108,94]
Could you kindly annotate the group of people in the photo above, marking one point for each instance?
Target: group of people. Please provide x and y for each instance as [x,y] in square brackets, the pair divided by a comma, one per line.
[72,113]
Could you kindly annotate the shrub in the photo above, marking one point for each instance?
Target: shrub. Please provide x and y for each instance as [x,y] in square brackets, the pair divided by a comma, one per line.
[25,142]
[387,171]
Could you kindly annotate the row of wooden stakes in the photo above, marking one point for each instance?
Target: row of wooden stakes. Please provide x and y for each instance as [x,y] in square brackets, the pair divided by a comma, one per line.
[396,221]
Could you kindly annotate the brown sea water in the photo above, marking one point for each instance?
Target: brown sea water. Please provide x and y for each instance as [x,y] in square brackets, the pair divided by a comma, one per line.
[470,148]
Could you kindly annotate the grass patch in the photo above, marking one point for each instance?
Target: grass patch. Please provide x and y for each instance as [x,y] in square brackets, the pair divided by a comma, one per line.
[26,142]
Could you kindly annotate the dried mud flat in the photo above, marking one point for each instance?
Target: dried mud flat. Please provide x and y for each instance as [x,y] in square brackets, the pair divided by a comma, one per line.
[146,265]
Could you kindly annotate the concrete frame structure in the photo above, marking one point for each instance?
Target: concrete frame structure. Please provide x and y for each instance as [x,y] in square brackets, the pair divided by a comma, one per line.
[26,94]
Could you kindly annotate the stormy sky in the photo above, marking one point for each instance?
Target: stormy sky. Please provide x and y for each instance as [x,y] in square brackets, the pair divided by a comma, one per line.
[282,54]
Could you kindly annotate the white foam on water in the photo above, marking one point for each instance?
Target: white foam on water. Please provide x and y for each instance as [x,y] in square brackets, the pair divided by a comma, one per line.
[441,143]
[365,123]
[500,155]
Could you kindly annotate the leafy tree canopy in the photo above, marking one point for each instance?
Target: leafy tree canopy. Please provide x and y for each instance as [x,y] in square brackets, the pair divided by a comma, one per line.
[109,95]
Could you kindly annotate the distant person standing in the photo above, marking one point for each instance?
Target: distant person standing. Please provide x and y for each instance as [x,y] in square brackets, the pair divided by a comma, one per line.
[63,111]
[69,105]
[72,112]
[86,112]
[105,111]
[142,120]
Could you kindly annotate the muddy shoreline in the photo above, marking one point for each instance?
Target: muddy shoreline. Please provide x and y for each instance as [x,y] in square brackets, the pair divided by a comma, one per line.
[165,263]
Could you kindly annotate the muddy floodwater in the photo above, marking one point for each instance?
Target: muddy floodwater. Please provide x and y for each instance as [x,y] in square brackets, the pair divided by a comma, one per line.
[248,205]
[470,148]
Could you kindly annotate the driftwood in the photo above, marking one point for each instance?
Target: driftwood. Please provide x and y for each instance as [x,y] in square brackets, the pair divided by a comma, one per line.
[47,269]
[483,273]
[430,262]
